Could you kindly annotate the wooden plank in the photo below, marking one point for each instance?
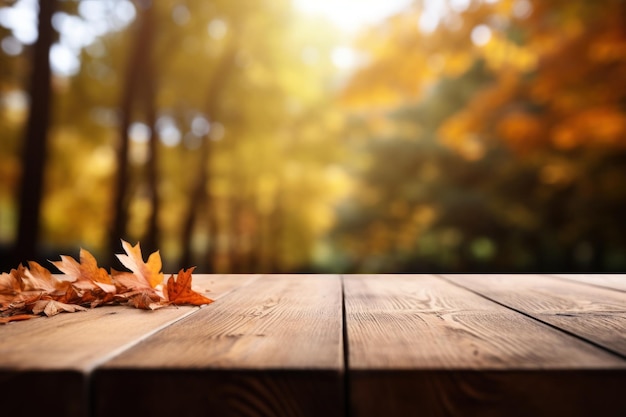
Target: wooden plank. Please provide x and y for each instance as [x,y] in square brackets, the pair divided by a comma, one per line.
[273,347]
[612,281]
[420,346]
[51,357]
[593,313]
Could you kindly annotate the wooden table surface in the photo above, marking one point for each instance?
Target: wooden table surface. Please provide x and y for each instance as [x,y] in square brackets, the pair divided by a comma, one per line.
[333,345]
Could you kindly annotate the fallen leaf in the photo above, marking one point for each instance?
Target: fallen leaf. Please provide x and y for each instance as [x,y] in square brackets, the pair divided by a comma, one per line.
[17,317]
[11,284]
[146,273]
[146,300]
[179,292]
[85,275]
[53,307]
[27,292]
[38,278]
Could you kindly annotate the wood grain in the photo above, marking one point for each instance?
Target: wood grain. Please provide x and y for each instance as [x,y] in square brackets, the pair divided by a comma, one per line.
[593,313]
[66,347]
[273,348]
[419,345]
[611,281]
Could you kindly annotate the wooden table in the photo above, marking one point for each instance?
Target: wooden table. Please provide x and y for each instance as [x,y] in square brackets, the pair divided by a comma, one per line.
[330,345]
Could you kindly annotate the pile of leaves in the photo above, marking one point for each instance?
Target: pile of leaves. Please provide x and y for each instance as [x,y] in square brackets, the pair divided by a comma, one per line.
[33,291]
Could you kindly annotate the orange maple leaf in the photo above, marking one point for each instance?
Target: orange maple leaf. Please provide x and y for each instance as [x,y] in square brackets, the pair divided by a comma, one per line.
[143,274]
[36,278]
[28,292]
[11,285]
[85,275]
[179,292]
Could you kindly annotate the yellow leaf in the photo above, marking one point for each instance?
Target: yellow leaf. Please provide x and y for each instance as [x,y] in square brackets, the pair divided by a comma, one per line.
[149,272]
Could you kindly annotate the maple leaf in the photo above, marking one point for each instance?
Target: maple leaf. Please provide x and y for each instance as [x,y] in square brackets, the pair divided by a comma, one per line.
[11,284]
[38,283]
[86,274]
[28,292]
[145,274]
[38,278]
[179,292]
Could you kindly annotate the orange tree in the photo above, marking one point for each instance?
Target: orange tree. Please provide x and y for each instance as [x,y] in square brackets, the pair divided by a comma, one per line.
[494,142]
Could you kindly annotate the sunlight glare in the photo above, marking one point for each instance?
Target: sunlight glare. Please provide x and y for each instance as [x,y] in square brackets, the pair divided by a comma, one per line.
[352,15]
[11,46]
[431,15]
[168,131]
[344,57]
[217,28]
[481,35]
[22,20]
[181,15]
[63,61]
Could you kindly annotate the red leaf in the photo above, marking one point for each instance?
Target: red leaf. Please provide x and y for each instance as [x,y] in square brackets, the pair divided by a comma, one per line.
[179,292]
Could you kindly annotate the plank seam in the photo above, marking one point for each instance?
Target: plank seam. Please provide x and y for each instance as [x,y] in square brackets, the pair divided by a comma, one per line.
[129,345]
[575,281]
[88,372]
[346,352]
[530,316]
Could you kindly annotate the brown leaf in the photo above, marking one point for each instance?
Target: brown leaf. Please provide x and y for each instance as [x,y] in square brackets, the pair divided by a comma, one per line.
[11,284]
[146,300]
[127,281]
[85,275]
[38,278]
[34,289]
[179,292]
[92,297]
[53,307]
[17,317]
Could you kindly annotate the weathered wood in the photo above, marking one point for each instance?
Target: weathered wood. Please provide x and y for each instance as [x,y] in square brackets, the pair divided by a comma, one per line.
[612,281]
[273,347]
[54,355]
[421,346]
[593,313]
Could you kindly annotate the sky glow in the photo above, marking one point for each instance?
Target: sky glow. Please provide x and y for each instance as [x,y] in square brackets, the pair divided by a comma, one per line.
[352,15]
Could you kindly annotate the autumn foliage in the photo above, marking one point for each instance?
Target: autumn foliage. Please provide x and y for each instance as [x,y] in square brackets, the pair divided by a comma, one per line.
[31,291]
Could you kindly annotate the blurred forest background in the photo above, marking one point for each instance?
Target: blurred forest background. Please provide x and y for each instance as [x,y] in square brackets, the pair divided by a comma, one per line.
[263,136]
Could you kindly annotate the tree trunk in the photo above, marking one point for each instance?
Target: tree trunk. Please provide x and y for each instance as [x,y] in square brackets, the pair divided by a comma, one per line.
[137,57]
[199,194]
[152,233]
[35,145]
[151,241]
